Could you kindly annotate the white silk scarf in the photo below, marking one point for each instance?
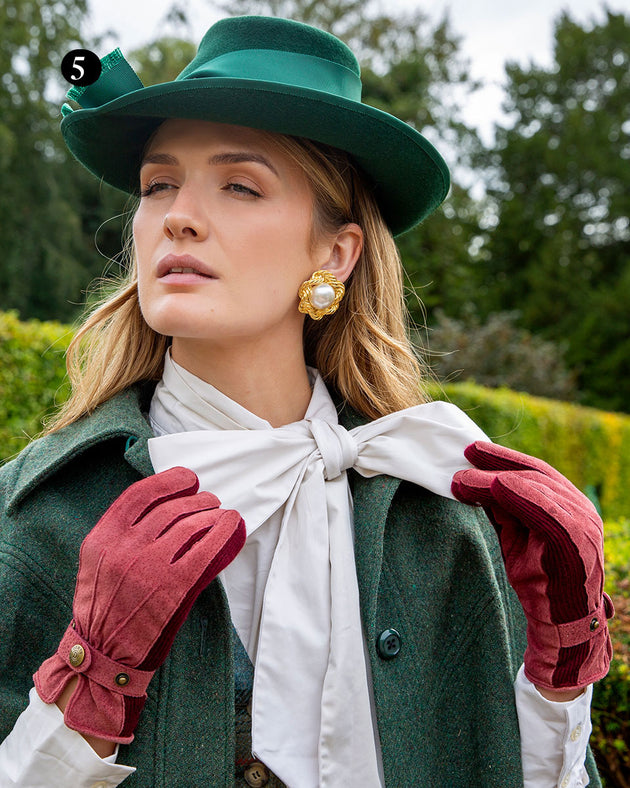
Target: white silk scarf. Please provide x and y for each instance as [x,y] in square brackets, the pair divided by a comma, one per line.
[293,591]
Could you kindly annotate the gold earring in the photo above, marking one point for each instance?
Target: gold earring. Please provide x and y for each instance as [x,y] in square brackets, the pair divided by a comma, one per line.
[320,295]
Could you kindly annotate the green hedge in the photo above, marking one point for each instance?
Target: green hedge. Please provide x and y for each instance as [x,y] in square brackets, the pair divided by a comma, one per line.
[32,378]
[591,447]
[611,696]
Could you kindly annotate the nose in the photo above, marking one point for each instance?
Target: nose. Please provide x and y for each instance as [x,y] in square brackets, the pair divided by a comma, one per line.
[185,217]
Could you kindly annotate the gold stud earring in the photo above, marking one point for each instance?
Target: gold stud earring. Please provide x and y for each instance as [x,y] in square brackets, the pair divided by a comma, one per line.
[320,295]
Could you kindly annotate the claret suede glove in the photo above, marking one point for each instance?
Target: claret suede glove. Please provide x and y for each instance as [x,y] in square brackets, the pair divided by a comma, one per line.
[552,543]
[141,568]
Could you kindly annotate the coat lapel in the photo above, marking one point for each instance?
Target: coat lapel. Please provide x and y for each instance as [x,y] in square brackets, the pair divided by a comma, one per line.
[372,500]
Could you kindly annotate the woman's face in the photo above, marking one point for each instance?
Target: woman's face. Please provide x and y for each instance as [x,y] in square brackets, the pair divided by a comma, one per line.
[222,234]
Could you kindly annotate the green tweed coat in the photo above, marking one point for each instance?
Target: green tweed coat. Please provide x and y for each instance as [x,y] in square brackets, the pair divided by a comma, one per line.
[428,567]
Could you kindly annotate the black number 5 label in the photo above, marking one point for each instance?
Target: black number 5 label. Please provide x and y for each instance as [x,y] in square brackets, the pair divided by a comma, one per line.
[81,67]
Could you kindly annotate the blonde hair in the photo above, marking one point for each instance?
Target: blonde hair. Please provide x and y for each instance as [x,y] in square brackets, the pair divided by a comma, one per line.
[363,350]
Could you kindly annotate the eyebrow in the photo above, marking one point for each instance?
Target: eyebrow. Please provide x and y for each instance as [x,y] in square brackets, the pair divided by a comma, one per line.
[235,157]
[242,156]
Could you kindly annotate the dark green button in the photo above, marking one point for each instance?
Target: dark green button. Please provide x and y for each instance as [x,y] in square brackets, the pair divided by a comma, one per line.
[388,643]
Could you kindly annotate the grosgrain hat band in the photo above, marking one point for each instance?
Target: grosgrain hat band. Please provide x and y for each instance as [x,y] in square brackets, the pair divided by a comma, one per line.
[284,68]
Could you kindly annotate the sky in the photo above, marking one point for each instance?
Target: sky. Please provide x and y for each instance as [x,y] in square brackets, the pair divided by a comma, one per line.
[491,31]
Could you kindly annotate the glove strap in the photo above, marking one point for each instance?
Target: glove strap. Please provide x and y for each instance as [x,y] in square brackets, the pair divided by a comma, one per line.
[83,658]
[590,626]
[572,633]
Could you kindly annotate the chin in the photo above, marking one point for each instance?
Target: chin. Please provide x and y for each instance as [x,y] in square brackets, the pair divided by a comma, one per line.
[184,322]
[184,330]
[180,320]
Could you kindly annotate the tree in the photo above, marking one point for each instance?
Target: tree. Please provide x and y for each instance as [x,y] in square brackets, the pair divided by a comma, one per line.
[61,228]
[162,60]
[498,353]
[560,253]
[40,268]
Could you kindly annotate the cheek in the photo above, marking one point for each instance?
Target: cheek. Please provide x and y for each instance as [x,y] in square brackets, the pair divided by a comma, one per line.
[283,244]
[142,243]
[139,228]
[138,239]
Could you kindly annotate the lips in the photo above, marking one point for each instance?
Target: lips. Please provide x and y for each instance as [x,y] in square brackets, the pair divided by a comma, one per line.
[183,265]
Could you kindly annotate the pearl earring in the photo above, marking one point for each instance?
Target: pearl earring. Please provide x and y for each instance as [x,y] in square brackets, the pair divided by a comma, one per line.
[320,295]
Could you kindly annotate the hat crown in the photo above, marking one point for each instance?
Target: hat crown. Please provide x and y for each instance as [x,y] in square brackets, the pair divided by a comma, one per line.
[255,33]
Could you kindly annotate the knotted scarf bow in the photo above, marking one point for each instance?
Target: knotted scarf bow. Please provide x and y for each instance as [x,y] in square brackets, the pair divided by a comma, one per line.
[292,590]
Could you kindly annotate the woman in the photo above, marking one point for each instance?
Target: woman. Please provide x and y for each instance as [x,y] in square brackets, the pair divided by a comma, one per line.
[365,633]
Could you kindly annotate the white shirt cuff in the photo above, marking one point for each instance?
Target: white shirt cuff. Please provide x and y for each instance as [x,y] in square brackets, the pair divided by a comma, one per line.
[554,737]
[42,752]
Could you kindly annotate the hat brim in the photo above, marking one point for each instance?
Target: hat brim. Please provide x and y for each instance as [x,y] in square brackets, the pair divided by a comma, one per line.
[409,176]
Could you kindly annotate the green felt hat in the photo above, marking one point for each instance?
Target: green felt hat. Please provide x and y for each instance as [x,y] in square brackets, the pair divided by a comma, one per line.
[265,73]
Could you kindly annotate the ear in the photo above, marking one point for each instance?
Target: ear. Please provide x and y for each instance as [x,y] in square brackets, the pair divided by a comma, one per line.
[343,251]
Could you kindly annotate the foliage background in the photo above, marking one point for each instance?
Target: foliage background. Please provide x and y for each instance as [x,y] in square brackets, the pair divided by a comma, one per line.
[32,378]
[524,283]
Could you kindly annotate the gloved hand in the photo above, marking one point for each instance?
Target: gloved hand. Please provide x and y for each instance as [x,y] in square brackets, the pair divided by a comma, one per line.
[141,568]
[552,543]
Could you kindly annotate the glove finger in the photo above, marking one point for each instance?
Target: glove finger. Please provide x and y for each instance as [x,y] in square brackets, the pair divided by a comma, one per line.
[185,522]
[557,510]
[214,548]
[490,456]
[98,557]
[143,496]
[209,533]
[473,487]
[162,518]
